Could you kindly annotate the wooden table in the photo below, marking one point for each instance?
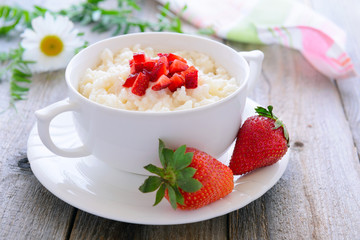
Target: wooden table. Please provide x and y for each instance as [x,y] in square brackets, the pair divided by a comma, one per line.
[318,196]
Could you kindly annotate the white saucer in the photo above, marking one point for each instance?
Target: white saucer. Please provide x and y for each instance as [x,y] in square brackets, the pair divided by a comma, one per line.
[92,186]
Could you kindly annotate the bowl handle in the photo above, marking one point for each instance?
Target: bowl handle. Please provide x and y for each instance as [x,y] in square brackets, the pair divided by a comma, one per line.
[255,59]
[44,117]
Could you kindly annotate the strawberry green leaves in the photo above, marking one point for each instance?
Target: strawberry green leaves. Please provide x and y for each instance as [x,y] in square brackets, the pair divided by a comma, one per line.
[151,184]
[269,114]
[174,175]
[265,112]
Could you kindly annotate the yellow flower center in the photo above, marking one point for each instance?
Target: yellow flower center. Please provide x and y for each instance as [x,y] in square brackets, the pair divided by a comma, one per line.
[51,45]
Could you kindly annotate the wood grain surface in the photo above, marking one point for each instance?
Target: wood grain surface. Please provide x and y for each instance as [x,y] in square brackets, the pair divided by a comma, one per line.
[318,196]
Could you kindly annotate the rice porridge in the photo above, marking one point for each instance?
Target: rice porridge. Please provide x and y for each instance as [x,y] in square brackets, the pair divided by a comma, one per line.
[104,83]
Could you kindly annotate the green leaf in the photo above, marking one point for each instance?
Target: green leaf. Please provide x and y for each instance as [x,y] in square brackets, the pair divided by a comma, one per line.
[169,158]
[179,197]
[117,30]
[278,123]
[154,169]
[86,20]
[130,3]
[185,161]
[16,88]
[186,173]
[172,197]
[109,12]
[150,184]
[160,194]
[161,155]
[21,79]
[179,158]
[189,184]
[40,9]
[270,108]
[286,134]
[266,112]
[20,73]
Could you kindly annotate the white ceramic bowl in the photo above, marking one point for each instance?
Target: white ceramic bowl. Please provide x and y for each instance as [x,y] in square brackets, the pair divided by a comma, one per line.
[128,140]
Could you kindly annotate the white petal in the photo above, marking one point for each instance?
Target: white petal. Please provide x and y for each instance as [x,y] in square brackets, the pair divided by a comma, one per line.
[38,25]
[31,54]
[28,33]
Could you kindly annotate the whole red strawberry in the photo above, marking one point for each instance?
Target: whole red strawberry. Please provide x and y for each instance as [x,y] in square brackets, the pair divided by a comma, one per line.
[261,141]
[190,178]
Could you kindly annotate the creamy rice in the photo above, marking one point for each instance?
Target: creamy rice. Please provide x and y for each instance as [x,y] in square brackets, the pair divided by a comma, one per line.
[103,83]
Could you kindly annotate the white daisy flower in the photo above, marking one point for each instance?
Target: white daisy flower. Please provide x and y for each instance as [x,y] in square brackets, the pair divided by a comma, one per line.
[51,43]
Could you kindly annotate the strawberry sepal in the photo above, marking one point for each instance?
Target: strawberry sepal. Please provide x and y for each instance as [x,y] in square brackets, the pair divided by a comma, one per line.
[175,175]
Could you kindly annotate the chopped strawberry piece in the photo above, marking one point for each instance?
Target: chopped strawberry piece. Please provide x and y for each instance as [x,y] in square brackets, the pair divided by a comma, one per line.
[140,85]
[139,57]
[189,70]
[149,64]
[191,80]
[132,68]
[172,57]
[139,67]
[191,77]
[164,60]
[162,82]
[131,62]
[158,70]
[130,80]
[176,81]
[177,66]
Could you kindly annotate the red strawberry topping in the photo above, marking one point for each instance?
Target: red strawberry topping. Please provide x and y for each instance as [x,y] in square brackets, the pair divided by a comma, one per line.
[138,67]
[172,57]
[178,66]
[159,70]
[176,82]
[140,85]
[149,64]
[191,77]
[162,83]
[139,57]
[130,80]
[168,71]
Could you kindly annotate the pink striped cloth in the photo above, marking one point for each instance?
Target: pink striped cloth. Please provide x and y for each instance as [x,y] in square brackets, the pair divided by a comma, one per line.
[284,22]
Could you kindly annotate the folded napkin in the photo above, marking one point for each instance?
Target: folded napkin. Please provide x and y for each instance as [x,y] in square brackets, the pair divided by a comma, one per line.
[284,22]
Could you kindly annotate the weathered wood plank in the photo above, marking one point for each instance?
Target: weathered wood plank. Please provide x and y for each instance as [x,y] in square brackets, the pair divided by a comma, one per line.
[322,180]
[28,210]
[88,226]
